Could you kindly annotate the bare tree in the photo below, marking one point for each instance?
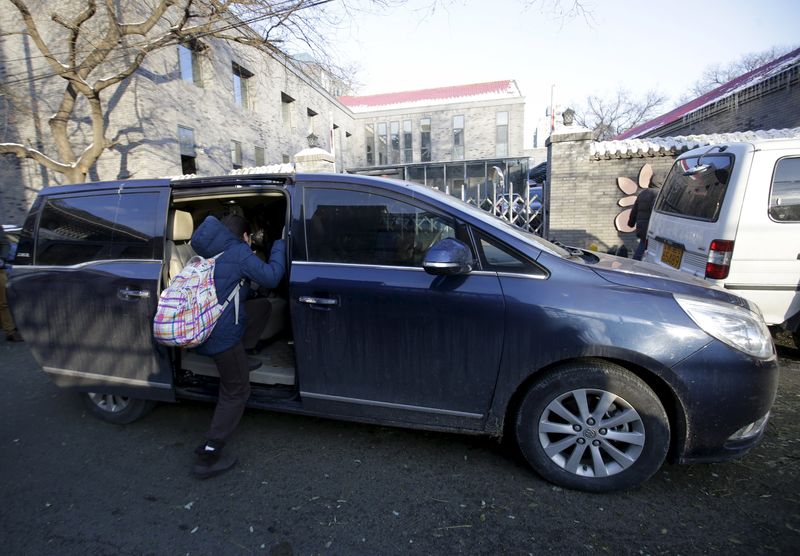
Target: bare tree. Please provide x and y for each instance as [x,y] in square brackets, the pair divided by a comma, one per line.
[97,48]
[715,75]
[608,117]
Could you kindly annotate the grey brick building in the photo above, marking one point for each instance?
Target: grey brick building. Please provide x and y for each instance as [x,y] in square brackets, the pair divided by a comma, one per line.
[210,106]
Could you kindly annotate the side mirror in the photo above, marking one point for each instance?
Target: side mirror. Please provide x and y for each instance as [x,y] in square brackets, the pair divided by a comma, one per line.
[448,257]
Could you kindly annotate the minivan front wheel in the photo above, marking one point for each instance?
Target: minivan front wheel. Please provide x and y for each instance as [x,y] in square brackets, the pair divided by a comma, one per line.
[120,410]
[593,426]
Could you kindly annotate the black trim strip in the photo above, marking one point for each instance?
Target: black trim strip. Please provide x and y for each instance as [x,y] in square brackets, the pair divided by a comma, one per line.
[390,405]
[759,287]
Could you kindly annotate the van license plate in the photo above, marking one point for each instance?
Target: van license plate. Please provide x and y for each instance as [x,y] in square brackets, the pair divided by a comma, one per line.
[672,255]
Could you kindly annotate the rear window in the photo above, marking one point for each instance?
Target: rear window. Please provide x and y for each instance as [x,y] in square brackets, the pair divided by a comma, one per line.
[696,186]
[784,198]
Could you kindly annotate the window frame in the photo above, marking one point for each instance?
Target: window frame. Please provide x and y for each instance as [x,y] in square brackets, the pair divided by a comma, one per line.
[459,136]
[236,153]
[770,206]
[241,94]
[426,154]
[498,151]
[155,240]
[534,270]
[194,66]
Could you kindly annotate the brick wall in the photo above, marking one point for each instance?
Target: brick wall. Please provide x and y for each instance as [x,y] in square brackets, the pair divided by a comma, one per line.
[583,191]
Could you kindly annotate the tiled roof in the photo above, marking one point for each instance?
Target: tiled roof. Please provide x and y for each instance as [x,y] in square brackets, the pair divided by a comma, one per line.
[663,146]
[441,95]
[742,82]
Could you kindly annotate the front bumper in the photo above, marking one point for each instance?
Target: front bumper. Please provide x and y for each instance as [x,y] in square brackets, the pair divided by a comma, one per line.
[723,391]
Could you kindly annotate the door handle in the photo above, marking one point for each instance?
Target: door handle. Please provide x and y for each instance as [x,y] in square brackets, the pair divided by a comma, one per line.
[325,301]
[128,293]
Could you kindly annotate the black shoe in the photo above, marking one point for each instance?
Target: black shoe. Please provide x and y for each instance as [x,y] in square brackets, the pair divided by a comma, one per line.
[16,337]
[253,363]
[211,466]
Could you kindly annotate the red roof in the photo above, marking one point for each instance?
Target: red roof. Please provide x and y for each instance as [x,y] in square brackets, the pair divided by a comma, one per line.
[743,81]
[458,91]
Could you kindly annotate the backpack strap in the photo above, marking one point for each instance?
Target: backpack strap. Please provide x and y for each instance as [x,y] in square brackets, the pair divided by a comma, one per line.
[234,295]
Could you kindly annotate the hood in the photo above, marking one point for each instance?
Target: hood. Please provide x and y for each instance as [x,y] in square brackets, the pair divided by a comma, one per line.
[639,274]
[212,238]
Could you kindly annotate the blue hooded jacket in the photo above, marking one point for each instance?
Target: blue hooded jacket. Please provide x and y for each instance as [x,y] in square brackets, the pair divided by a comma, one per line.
[236,262]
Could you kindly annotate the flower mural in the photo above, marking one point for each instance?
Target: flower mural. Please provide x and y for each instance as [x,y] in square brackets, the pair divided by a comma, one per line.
[630,188]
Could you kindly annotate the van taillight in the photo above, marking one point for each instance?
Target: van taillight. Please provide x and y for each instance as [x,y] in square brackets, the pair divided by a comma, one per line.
[719,259]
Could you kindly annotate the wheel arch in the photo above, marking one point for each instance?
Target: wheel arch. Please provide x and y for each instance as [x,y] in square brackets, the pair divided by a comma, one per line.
[666,395]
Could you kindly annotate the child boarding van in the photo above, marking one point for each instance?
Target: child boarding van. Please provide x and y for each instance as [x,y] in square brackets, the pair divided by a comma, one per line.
[731,214]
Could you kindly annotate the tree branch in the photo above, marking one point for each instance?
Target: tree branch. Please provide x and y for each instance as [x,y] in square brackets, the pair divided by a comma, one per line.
[21,151]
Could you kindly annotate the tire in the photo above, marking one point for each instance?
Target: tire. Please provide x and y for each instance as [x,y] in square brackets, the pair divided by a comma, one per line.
[119,410]
[570,447]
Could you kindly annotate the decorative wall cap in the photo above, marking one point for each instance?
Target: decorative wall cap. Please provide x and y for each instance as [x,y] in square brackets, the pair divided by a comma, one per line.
[312,154]
[668,146]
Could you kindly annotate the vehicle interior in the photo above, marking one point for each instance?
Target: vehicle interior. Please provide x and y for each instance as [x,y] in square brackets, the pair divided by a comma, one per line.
[267,213]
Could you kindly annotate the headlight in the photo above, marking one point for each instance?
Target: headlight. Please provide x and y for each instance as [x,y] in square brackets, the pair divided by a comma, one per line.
[738,327]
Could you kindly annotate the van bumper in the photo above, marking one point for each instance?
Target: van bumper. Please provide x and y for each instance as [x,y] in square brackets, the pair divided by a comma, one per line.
[726,398]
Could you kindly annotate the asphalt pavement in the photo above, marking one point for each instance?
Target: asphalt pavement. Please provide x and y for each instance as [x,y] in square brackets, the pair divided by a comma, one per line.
[71,484]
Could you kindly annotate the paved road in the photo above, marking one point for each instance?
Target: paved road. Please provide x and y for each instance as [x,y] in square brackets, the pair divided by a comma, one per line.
[70,484]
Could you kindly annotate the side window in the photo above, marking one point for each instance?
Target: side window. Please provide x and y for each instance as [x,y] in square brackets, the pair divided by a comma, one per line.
[499,258]
[75,230]
[784,197]
[363,228]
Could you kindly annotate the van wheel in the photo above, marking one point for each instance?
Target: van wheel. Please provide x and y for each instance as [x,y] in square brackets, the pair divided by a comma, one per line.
[119,410]
[593,426]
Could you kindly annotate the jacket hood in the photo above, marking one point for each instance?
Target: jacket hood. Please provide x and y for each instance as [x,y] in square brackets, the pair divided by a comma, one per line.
[212,238]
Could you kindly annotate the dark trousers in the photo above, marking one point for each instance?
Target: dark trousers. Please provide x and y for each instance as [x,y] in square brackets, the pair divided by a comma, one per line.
[234,374]
[234,390]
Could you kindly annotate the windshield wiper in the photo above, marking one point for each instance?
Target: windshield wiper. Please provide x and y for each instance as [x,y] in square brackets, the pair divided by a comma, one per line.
[573,251]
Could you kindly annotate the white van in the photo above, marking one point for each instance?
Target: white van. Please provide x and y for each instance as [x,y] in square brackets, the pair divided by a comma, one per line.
[731,214]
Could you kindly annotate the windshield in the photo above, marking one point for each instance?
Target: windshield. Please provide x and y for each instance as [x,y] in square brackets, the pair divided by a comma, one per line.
[696,186]
[537,241]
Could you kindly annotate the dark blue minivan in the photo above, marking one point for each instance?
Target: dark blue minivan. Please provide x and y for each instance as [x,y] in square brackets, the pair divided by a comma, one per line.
[403,306]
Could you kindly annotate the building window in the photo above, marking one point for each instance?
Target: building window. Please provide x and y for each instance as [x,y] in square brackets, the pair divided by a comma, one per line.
[189,59]
[188,152]
[286,110]
[311,119]
[458,137]
[259,156]
[383,144]
[241,80]
[369,141]
[425,140]
[501,140]
[394,139]
[236,154]
[408,152]
[285,158]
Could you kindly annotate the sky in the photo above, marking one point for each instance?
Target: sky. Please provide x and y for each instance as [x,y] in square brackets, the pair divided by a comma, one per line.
[635,45]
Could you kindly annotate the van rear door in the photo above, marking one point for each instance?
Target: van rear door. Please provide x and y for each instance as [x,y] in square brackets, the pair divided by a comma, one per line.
[85,287]
[697,204]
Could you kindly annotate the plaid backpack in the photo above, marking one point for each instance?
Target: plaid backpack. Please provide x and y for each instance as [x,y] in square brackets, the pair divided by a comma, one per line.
[188,308]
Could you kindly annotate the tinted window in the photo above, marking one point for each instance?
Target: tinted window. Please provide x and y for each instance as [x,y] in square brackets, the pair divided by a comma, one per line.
[81,229]
[499,258]
[784,197]
[696,188]
[363,228]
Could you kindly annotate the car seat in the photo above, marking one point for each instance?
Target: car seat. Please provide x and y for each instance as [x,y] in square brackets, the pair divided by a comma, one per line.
[180,227]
